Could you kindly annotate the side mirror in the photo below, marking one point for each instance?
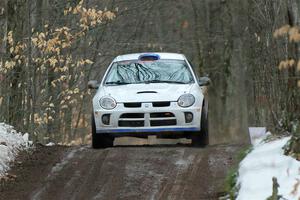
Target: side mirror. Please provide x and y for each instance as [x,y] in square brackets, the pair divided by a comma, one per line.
[204,81]
[93,84]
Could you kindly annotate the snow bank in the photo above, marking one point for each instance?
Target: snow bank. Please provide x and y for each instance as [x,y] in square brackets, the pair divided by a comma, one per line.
[11,143]
[258,134]
[264,162]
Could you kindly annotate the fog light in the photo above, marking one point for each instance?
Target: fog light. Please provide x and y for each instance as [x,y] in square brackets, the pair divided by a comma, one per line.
[106,119]
[188,117]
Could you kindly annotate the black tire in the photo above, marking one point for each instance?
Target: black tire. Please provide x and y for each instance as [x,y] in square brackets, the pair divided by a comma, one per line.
[100,140]
[202,138]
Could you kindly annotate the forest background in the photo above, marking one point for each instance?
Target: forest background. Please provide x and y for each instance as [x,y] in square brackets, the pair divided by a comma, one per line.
[49,49]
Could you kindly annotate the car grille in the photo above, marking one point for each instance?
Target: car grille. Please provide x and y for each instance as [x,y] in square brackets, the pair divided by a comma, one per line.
[147,119]
[135,123]
[154,104]
[132,105]
[132,120]
[161,104]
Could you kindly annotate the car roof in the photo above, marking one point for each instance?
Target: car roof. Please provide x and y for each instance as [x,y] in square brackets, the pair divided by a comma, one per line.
[135,56]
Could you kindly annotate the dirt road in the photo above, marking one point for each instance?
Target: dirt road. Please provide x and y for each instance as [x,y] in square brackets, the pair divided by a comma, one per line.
[136,172]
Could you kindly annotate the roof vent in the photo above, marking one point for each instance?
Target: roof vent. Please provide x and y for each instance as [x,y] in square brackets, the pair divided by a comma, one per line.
[149,57]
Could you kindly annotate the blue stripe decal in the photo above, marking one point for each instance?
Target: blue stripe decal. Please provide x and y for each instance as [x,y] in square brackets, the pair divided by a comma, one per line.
[146,130]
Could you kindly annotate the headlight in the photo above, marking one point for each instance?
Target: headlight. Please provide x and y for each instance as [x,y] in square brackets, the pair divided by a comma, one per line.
[186,100]
[108,103]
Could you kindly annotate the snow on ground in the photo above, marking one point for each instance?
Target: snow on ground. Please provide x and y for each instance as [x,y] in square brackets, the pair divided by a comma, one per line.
[50,144]
[11,142]
[265,161]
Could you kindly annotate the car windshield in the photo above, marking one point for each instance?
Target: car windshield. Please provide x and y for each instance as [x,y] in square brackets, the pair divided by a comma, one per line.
[158,71]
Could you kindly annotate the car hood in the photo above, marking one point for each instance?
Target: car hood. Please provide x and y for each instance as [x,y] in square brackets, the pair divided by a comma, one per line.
[145,92]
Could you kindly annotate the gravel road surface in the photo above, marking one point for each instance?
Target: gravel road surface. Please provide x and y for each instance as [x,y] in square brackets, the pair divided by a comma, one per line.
[174,172]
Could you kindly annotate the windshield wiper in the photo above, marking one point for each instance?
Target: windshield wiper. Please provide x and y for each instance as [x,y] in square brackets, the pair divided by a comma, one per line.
[116,83]
[163,81]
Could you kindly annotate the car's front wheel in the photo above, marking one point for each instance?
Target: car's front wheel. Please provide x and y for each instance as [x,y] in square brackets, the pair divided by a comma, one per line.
[100,140]
[202,138]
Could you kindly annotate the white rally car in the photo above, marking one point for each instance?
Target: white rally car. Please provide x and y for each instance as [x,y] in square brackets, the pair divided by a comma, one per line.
[150,94]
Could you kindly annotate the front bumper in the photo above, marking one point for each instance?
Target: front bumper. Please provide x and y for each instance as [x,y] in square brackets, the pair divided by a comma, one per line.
[174,122]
